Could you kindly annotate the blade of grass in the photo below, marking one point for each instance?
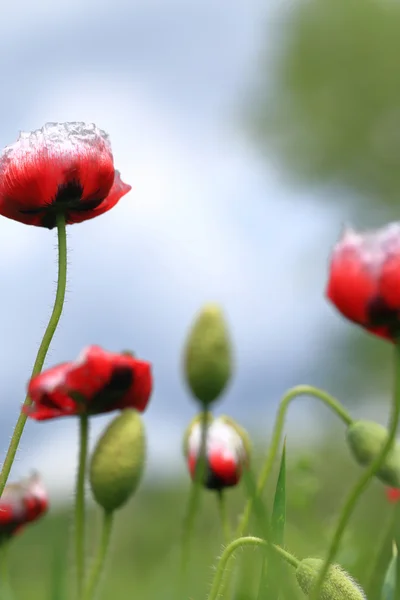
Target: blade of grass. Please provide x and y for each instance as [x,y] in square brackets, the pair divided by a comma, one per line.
[289,589]
[271,571]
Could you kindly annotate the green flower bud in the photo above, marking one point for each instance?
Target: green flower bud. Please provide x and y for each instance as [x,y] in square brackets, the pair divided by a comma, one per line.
[366,439]
[338,585]
[208,357]
[118,460]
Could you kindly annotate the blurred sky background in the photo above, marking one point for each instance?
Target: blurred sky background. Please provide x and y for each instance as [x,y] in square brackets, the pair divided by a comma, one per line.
[211,217]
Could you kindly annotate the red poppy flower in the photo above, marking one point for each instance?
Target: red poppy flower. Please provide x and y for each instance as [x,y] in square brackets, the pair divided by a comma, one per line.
[97,382]
[226,452]
[63,167]
[22,503]
[393,494]
[364,279]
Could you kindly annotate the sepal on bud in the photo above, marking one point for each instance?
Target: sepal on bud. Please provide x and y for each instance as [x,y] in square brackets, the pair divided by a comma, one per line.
[366,439]
[208,355]
[338,585]
[118,460]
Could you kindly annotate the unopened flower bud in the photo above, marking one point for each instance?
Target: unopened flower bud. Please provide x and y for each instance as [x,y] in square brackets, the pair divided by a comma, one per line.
[366,439]
[227,451]
[118,460]
[338,585]
[208,356]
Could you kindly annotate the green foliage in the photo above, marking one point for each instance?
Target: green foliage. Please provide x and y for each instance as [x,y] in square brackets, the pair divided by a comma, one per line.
[389,584]
[330,105]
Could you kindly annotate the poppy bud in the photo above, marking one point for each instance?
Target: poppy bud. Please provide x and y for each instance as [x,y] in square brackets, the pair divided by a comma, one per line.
[366,439]
[118,461]
[338,585]
[208,356]
[227,451]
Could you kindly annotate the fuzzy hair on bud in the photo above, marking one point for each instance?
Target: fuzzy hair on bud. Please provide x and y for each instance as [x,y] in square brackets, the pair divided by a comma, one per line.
[208,355]
[338,585]
[366,439]
[118,461]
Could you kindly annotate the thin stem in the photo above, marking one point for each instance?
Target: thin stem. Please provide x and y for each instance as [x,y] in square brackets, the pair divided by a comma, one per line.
[43,348]
[224,516]
[231,549]
[364,480]
[193,502]
[80,503]
[98,565]
[299,390]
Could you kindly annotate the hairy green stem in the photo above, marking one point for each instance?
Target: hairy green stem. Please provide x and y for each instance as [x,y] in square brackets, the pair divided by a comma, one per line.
[193,502]
[43,348]
[80,503]
[231,549]
[364,480]
[98,565]
[300,390]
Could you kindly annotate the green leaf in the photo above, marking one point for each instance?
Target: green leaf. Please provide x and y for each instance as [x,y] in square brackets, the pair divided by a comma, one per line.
[389,584]
[271,571]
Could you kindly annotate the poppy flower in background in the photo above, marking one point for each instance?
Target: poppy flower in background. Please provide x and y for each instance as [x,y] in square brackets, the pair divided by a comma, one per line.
[392,495]
[22,503]
[227,452]
[63,167]
[364,279]
[97,382]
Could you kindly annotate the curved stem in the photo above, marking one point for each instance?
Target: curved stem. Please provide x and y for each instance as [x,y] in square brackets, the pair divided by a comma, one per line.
[231,549]
[299,390]
[80,503]
[98,565]
[193,502]
[224,517]
[364,480]
[43,348]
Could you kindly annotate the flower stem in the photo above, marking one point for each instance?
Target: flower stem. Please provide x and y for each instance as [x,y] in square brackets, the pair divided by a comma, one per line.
[80,503]
[365,479]
[43,348]
[224,517]
[193,503]
[230,550]
[98,565]
[300,390]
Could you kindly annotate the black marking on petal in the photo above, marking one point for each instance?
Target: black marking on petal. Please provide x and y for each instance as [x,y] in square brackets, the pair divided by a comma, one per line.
[381,315]
[67,193]
[120,382]
[213,481]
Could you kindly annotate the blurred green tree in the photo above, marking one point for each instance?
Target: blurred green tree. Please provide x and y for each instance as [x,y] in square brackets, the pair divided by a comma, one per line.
[329,108]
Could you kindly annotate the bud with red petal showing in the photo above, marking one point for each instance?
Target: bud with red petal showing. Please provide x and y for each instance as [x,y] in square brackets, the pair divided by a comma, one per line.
[20,504]
[62,168]
[208,355]
[227,451]
[97,382]
[118,461]
[364,279]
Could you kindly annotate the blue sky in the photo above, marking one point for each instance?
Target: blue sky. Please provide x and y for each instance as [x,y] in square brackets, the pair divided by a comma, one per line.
[207,218]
